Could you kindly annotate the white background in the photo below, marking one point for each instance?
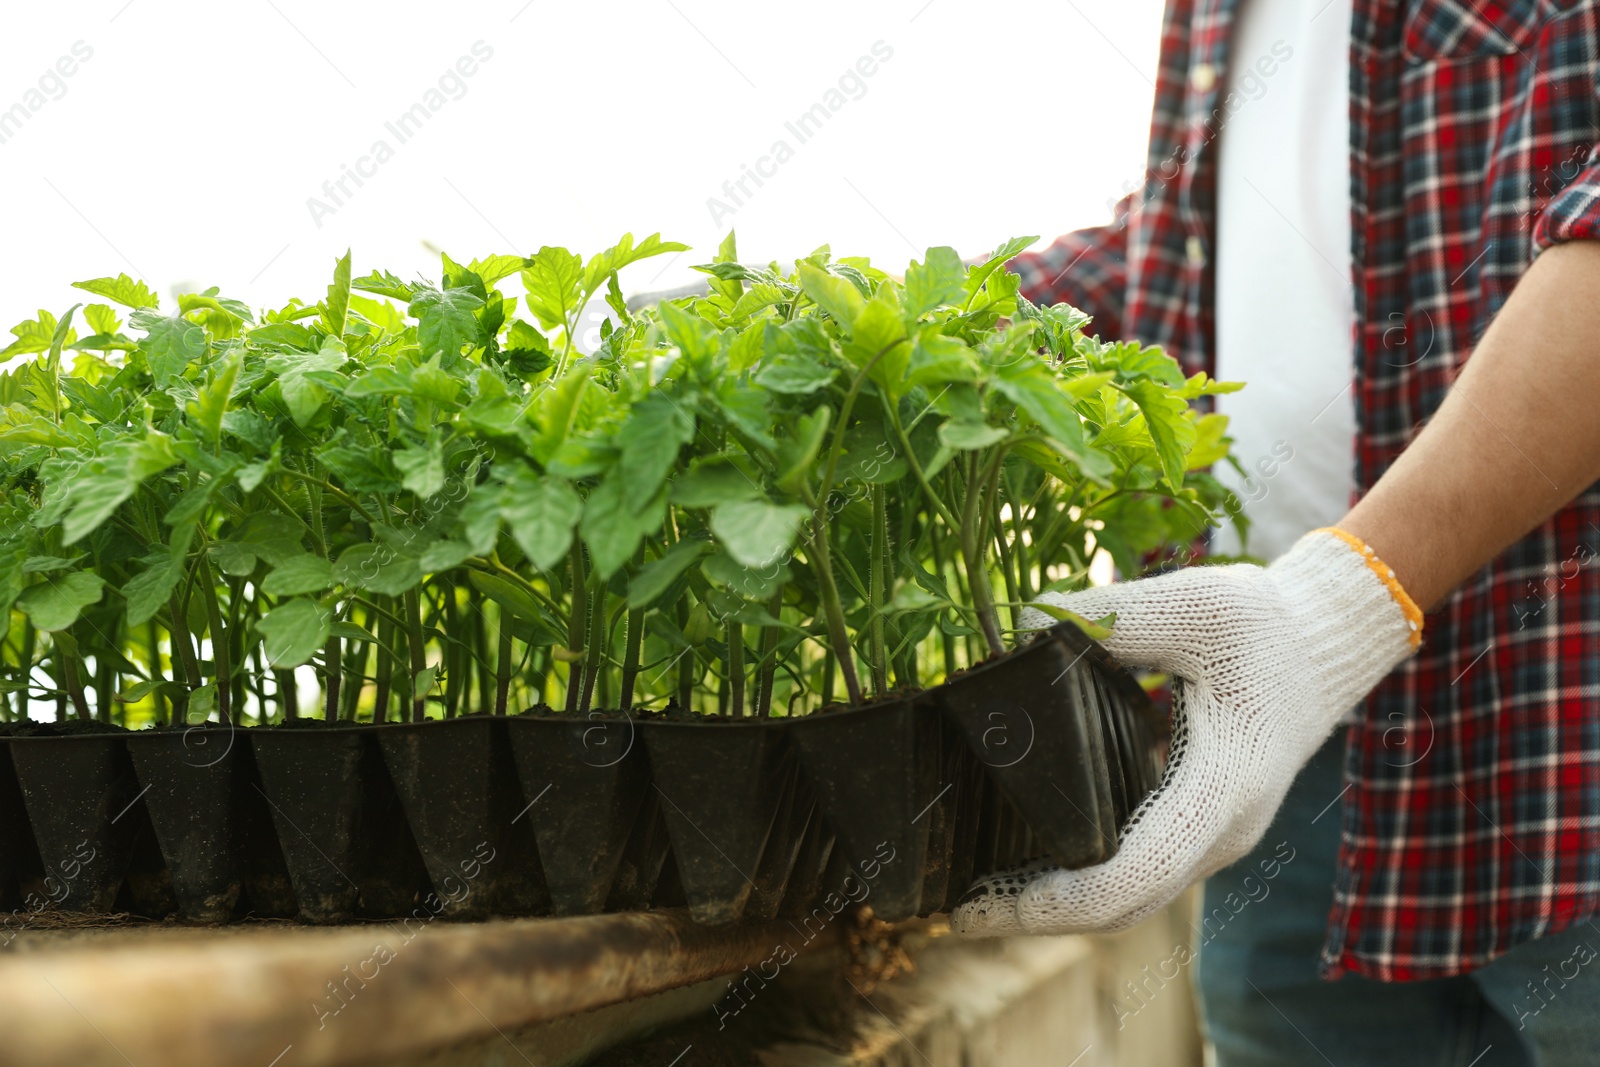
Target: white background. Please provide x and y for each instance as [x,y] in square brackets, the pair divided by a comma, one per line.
[185,150]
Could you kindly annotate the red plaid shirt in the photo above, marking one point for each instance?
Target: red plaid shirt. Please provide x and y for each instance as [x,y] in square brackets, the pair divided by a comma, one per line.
[1472,813]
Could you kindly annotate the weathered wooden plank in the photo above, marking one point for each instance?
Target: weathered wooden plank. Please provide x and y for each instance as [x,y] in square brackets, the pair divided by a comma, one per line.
[308,997]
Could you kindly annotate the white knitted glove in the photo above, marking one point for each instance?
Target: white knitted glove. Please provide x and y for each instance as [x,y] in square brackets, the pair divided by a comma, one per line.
[1270,659]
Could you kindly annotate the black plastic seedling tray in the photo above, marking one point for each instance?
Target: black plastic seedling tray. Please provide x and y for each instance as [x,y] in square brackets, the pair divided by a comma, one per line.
[899,804]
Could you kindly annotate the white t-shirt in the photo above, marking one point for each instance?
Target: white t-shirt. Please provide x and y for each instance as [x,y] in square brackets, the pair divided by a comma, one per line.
[1284,303]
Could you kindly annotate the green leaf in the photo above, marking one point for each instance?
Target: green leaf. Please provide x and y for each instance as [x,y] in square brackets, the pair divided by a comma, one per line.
[423,682]
[122,290]
[1035,390]
[1210,444]
[211,401]
[349,631]
[748,583]
[287,334]
[516,600]
[386,284]
[613,525]
[101,485]
[422,467]
[147,592]
[759,296]
[378,568]
[304,573]
[47,564]
[695,337]
[557,411]
[540,511]
[745,406]
[1085,385]
[941,280]
[997,259]
[443,556]
[55,603]
[727,252]
[294,630]
[63,334]
[203,700]
[798,454]
[336,309]
[967,436]
[795,374]
[232,558]
[1099,629]
[656,429]
[101,318]
[380,381]
[879,341]
[1133,362]
[169,345]
[1167,417]
[551,283]
[624,252]
[655,579]
[707,484]
[363,468]
[938,360]
[297,378]
[837,296]
[757,533]
[1200,384]
[272,535]
[445,321]
[139,690]
[494,268]
[32,335]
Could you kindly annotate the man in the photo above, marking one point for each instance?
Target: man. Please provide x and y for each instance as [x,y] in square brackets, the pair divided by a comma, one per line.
[1420,178]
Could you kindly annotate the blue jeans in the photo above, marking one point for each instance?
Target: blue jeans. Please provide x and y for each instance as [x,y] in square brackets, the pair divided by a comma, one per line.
[1264,1003]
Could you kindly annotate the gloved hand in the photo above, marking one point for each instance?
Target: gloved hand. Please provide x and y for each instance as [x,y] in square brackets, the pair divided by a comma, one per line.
[1271,658]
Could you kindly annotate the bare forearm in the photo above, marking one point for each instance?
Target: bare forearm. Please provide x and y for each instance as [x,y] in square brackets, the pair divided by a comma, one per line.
[1517,438]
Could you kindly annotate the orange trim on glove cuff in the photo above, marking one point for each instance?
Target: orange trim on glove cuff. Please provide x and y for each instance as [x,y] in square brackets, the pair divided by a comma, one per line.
[1385,575]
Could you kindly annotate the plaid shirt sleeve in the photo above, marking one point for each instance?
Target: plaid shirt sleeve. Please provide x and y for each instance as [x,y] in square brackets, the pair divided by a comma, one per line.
[1573,214]
[1086,268]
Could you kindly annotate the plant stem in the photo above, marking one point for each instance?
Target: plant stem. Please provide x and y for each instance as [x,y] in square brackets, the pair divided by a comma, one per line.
[1013,594]
[185,653]
[687,663]
[539,661]
[332,675]
[735,668]
[455,671]
[288,697]
[153,660]
[105,689]
[595,645]
[384,668]
[236,648]
[258,685]
[829,663]
[502,664]
[576,624]
[974,557]
[72,682]
[880,534]
[30,637]
[419,655]
[630,658]
[838,632]
[355,665]
[769,657]
[480,673]
[220,650]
